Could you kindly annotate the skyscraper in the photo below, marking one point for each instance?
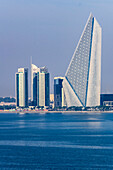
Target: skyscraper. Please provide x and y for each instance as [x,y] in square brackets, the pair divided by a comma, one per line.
[58,92]
[40,93]
[35,84]
[82,80]
[21,87]
[44,91]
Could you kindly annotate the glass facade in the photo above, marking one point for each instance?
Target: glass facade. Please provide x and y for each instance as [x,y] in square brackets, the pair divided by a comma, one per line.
[35,89]
[47,93]
[83,73]
[17,89]
[78,70]
[58,92]
[106,98]
[40,90]
[26,88]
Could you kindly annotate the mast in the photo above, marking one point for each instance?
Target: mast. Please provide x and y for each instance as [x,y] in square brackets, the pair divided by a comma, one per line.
[31,81]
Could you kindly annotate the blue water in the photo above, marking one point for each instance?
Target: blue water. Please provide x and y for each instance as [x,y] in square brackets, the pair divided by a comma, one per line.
[56,141]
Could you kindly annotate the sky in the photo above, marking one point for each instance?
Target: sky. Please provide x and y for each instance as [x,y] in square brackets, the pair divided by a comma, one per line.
[49,30]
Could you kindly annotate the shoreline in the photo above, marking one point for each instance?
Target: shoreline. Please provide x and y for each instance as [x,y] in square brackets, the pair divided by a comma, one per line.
[45,112]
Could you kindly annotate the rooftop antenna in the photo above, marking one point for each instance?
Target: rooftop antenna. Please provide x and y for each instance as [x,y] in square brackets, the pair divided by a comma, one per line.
[31,59]
[31,80]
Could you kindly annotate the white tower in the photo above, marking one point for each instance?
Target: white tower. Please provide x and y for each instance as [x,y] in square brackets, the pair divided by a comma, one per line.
[83,77]
[21,82]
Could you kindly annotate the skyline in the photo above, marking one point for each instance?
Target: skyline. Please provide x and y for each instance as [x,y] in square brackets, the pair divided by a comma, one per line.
[50,37]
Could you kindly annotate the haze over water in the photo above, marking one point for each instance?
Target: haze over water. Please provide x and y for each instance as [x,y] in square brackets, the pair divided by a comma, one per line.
[56,141]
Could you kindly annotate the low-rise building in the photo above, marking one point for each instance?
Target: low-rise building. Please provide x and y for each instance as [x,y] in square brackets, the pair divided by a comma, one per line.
[106,99]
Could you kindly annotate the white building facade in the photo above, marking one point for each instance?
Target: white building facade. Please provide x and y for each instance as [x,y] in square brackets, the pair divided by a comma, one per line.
[82,82]
[40,90]
[21,87]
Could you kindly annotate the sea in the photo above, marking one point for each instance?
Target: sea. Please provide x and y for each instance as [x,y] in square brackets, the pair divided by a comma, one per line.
[56,141]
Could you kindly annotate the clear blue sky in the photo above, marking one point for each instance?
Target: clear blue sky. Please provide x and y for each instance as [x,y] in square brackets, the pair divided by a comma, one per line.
[49,31]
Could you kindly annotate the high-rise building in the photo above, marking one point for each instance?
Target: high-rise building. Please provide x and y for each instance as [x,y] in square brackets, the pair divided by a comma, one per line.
[35,84]
[40,93]
[58,92]
[106,99]
[44,91]
[82,80]
[21,87]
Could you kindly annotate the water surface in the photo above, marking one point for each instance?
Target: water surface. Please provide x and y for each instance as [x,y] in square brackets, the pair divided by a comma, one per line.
[56,141]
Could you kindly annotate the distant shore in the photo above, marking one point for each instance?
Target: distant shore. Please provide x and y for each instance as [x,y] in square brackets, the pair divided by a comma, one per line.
[44,112]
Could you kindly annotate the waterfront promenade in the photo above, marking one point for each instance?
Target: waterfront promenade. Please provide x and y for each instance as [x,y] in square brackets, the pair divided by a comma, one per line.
[44,112]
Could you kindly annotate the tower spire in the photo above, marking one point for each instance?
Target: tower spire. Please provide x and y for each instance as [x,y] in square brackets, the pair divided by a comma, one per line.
[31,79]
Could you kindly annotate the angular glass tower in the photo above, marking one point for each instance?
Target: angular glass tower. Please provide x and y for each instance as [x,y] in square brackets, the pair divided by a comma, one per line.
[83,77]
